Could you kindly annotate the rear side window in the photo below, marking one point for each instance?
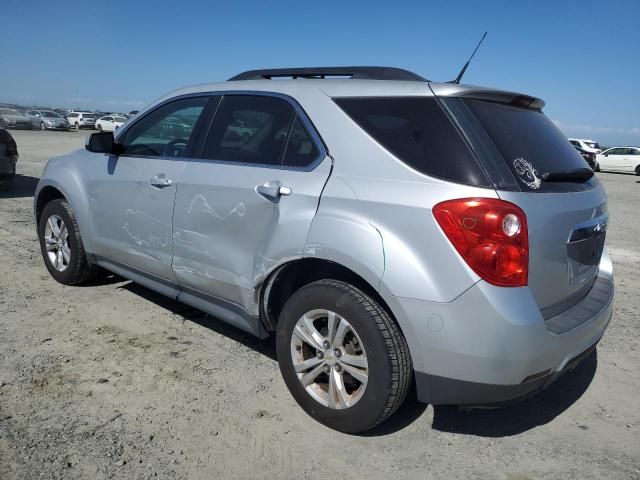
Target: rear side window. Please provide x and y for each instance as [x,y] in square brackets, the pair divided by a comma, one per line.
[530,144]
[417,131]
[260,130]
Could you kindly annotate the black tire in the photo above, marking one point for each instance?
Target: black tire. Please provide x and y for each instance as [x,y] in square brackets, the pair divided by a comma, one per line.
[597,167]
[638,170]
[42,126]
[100,128]
[390,370]
[77,125]
[79,270]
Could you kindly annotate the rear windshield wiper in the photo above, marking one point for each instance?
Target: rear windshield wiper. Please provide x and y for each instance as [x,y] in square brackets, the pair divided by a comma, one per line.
[577,175]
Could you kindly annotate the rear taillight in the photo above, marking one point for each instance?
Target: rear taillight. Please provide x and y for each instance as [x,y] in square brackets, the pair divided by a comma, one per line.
[491,235]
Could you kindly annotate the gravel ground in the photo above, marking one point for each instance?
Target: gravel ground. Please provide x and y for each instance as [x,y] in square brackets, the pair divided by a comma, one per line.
[114,381]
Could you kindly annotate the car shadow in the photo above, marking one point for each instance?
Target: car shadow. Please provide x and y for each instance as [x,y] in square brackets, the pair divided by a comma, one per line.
[537,410]
[21,187]
[499,422]
[265,347]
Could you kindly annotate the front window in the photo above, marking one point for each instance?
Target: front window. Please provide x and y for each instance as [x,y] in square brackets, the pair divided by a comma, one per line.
[166,131]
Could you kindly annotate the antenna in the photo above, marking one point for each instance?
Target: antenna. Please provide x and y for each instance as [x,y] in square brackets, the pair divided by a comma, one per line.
[464,69]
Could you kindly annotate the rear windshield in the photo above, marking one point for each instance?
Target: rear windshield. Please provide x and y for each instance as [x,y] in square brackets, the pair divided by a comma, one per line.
[417,131]
[530,144]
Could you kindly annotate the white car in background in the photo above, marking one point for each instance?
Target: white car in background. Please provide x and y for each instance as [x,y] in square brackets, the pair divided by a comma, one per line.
[620,159]
[586,144]
[110,123]
[80,120]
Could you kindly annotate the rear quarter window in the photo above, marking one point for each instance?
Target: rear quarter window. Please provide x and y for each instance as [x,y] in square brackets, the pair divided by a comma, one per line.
[418,132]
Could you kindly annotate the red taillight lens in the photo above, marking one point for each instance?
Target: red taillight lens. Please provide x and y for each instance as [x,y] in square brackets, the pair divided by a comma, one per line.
[491,235]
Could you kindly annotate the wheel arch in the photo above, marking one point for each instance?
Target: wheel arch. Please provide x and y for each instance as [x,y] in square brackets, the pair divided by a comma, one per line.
[295,274]
[49,189]
[46,195]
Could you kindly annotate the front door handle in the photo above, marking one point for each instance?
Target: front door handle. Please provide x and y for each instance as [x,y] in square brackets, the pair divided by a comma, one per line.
[272,191]
[160,181]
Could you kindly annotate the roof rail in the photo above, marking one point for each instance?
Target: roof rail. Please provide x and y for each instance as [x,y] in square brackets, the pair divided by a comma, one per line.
[356,73]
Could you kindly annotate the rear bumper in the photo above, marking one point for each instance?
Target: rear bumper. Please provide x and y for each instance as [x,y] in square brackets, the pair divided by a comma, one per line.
[492,345]
[448,391]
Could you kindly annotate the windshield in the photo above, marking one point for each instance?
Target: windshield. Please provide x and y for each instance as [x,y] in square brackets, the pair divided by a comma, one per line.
[8,111]
[530,144]
[592,144]
[50,114]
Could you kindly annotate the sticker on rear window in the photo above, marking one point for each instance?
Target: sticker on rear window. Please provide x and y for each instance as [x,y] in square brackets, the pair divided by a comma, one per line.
[527,173]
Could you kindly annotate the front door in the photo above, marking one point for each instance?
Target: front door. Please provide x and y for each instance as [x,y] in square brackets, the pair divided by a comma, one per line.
[247,205]
[132,195]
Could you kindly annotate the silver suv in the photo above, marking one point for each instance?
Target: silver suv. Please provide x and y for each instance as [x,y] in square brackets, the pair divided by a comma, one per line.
[382,227]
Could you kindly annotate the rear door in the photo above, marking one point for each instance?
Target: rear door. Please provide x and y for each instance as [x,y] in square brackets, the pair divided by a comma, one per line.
[614,159]
[566,220]
[247,204]
[132,195]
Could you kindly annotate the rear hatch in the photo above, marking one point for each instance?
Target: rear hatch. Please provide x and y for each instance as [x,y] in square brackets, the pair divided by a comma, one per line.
[566,215]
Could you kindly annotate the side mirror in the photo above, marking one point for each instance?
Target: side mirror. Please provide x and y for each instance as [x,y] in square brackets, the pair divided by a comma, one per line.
[102,142]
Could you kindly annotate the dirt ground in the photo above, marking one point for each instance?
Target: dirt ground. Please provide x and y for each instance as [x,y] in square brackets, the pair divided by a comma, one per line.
[114,381]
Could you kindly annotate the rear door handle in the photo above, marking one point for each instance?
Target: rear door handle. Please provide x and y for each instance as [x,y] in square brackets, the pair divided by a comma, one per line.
[160,181]
[272,191]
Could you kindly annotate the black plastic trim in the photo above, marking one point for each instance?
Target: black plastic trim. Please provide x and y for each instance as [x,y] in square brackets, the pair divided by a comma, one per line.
[438,390]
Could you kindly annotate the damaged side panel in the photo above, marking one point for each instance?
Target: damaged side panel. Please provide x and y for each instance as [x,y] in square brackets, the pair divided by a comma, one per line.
[228,238]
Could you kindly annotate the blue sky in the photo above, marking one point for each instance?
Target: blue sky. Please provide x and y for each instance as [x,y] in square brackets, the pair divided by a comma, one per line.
[581,57]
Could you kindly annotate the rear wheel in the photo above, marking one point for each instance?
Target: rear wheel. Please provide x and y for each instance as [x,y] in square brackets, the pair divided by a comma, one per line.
[61,245]
[343,358]
[99,128]
[638,170]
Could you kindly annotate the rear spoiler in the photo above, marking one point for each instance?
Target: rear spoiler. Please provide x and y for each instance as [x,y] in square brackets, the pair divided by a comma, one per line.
[481,93]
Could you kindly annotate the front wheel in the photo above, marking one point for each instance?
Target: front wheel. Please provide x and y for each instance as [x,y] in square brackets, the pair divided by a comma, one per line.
[343,358]
[42,126]
[596,167]
[61,245]
[100,128]
[77,126]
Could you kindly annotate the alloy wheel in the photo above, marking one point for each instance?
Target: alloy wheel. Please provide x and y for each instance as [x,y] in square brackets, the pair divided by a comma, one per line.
[329,359]
[56,240]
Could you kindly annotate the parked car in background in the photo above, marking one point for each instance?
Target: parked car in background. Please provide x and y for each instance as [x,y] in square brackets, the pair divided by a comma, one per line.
[80,120]
[10,118]
[110,123]
[357,227]
[48,120]
[586,144]
[589,157]
[620,159]
[8,158]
